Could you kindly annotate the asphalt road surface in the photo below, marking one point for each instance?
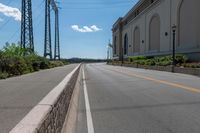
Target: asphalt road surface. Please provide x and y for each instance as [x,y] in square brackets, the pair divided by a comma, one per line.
[19,95]
[128,100]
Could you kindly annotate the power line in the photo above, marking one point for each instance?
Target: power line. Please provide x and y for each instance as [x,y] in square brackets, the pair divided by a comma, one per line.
[98,2]
[14,34]
[4,24]
[93,8]
[18,29]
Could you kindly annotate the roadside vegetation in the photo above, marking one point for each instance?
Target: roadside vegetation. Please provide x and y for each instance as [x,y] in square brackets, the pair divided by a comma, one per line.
[13,62]
[181,61]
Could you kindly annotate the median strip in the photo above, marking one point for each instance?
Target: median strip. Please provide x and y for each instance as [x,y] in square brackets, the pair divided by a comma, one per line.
[49,114]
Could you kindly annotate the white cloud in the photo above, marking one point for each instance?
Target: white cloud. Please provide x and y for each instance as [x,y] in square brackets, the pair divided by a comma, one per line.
[10,12]
[84,29]
[95,28]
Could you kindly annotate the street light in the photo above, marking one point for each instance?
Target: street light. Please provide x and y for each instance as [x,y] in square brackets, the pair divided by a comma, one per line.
[174,46]
[107,54]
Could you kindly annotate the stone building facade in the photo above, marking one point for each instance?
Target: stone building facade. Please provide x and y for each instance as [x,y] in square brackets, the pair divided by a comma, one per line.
[146,30]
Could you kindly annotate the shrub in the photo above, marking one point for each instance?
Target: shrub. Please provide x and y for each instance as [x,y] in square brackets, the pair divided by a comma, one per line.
[33,60]
[13,50]
[134,58]
[150,62]
[13,65]
[44,63]
[180,59]
[56,63]
[3,75]
[13,62]
[159,60]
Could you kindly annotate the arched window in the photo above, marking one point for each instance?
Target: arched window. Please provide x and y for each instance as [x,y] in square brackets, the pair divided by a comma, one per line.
[154,33]
[125,44]
[136,40]
[189,24]
[115,45]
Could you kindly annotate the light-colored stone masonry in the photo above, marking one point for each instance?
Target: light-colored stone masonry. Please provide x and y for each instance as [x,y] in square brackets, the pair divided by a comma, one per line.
[49,115]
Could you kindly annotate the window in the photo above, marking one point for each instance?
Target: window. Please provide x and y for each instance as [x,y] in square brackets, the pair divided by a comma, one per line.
[154,33]
[125,44]
[115,45]
[188,26]
[136,42]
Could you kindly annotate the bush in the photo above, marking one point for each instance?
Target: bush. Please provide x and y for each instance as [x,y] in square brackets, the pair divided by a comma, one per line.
[33,60]
[13,50]
[180,59]
[37,62]
[134,58]
[159,60]
[65,62]
[44,63]
[13,65]
[56,63]
[3,75]
[13,62]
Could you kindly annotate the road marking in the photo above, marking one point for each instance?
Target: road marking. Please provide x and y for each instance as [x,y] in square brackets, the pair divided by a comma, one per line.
[188,88]
[90,126]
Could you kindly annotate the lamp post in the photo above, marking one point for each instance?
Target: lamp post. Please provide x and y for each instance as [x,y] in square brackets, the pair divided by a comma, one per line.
[174,47]
[107,54]
[122,62]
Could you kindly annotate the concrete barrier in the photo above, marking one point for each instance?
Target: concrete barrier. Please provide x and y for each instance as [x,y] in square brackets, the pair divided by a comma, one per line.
[71,118]
[48,116]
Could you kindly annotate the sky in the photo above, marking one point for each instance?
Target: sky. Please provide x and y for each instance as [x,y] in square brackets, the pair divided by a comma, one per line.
[85,25]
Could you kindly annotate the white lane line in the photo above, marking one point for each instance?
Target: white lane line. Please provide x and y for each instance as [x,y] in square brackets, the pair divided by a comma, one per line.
[87,105]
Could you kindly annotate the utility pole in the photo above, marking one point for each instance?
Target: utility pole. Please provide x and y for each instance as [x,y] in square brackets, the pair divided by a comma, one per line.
[27,27]
[47,38]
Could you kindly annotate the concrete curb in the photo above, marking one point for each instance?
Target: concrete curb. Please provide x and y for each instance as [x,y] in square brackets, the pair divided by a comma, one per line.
[48,116]
[190,71]
[71,118]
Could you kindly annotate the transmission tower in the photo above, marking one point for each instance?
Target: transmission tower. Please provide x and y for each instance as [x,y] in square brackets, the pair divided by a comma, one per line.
[27,26]
[57,41]
[47,40]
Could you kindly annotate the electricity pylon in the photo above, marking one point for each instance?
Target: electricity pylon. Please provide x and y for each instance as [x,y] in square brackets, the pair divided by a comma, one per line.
[57,39]
[27,26]
[47,43]
[47,38]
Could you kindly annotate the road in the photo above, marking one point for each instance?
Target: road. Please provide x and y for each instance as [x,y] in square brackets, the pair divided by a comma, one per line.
[128,100]
[19,95]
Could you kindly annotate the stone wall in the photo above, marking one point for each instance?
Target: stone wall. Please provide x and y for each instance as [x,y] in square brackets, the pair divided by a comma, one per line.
[49,115]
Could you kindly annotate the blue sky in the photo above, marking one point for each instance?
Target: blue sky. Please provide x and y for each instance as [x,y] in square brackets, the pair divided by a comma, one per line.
[85,25]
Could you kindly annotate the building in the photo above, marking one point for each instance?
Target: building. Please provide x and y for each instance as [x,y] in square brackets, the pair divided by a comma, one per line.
[146,30]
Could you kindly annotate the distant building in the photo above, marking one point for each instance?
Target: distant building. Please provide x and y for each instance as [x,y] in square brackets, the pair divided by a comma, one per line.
[146,30]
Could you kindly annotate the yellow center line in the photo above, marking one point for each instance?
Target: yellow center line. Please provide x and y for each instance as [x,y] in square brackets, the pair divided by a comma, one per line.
[188,88]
